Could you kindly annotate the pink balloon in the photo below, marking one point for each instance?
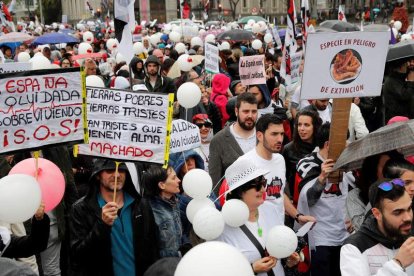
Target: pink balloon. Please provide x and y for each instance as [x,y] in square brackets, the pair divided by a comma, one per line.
[50,178]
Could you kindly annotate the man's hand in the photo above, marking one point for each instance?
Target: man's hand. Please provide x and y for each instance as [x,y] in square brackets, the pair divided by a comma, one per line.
[406,253]
[110,213]
[326,168]
[293,259]
[40,211]
[304,219]
[264,264]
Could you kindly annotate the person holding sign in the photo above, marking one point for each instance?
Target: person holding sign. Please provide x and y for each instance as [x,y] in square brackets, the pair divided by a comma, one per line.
[324,200]
[112,236]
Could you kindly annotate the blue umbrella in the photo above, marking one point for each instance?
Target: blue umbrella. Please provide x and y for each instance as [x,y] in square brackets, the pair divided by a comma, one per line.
[54,38]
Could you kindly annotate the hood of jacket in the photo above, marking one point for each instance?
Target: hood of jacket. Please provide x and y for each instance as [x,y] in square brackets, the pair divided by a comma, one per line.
[370,228]
[265,93]
[177,160]
[133,64]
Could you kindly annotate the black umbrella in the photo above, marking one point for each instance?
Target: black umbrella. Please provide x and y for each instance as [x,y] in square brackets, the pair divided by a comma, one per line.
[401,50]
[339,26]
[236,35]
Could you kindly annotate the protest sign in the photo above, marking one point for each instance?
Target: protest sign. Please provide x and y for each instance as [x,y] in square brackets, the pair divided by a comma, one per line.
[15,67]
[211,60]
[295,60]
[344,65]
[185,136]
[252,70]
[39,108]
[136,37]
[126,125]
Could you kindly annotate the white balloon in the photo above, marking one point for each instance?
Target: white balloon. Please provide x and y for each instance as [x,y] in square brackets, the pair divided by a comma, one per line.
[225,45]
[214,258]
[210,38]
[397,25]
[85,48]
[180,48]
[201,32]
[177,29]
[88,37]
[154,39]
[175,36]
[197,183]
[262,26]
[196,205]
[54,25]
[406,37]
[188,94]
[62,27]
[111,44]
[281,241]
[196,41]
[40,62]
[235,212]
[167,28]
[94,81]
[256,28]
[208,223]
[250,22]
[23,57]
[268,38]
[185,63]
[257,44]
[138,48]
[20,197]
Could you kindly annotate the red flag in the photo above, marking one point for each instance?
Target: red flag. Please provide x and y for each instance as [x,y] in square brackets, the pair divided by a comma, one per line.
[186,10]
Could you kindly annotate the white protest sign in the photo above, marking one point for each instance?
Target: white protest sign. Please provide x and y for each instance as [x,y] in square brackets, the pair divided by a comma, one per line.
[276,37]
[211,60]
[252,70]
[295,60]
[184,136]
[126,125]
[41,108]
[344,65]
[11,67]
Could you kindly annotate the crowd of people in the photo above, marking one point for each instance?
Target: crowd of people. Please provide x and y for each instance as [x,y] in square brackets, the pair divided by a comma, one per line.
[261,144]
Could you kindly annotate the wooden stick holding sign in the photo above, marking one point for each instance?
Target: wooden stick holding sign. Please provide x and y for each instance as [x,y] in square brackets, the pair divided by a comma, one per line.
[116,179]
[36,157]
[338,133]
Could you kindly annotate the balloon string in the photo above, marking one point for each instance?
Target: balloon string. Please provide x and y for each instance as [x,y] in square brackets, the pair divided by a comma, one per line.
[116,179]
[36,157]
[185,161]
[215,186]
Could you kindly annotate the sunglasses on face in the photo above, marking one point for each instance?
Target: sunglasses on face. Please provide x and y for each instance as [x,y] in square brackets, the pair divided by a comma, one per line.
[206,124]
[388,186]
[257,183]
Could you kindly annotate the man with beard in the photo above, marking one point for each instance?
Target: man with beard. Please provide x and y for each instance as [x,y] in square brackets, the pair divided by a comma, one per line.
[154,81]
[382,246]
[234,140]
[323,107]
[112,235]
[266,155]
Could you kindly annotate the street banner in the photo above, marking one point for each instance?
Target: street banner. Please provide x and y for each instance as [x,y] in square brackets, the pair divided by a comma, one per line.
[126,125]
[211,58]
[344,65]
[40,108]
[184,136]
[11,67]
[252,70]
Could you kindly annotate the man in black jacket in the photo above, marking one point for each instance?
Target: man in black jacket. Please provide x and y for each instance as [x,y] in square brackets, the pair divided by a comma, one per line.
[112,237]
[154,81]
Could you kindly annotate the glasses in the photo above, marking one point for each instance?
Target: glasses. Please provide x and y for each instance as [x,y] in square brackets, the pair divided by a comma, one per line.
[387,186]
[257,183]
[206,124]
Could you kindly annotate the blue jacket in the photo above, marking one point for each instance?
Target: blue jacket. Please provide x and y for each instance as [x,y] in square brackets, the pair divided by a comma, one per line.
[170,230]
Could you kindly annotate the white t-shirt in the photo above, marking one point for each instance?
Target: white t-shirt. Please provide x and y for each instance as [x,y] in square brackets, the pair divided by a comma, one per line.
[246,144]
[234,236]
[276,179]
[325,115]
